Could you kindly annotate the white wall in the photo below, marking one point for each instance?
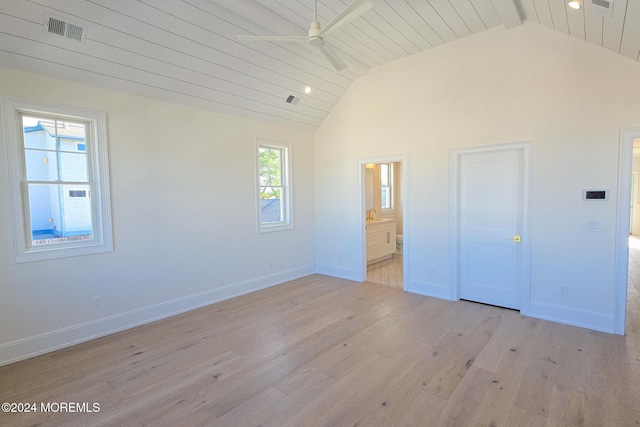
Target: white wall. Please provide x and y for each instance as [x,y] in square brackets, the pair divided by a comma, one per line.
[528,83]
[183,202]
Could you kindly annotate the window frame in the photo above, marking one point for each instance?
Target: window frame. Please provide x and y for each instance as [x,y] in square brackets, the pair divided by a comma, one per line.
[391,187]
[286,183]
[98,170]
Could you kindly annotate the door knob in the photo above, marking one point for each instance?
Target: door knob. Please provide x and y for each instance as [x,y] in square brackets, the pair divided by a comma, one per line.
[517,239]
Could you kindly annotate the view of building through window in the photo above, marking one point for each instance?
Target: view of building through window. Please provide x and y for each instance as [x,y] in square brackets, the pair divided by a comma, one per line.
[57,179]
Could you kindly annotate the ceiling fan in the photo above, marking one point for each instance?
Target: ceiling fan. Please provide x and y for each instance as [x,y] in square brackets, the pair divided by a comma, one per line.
[317,33]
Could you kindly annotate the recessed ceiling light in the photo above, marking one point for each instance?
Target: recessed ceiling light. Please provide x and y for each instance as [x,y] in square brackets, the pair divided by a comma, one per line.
[574,4]
[307,89]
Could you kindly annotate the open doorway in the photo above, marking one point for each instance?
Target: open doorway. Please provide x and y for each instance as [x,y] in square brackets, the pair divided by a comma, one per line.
[383,219]
[626,225]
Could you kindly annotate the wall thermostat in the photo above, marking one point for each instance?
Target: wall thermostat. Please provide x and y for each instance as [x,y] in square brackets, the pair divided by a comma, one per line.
[595,195]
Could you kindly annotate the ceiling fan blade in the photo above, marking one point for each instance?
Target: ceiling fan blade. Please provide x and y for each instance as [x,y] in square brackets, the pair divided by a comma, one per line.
[296,39]
[332,57]
[351,12]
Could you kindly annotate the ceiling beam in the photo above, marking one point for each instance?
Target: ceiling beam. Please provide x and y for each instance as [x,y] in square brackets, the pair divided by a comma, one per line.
[509,12]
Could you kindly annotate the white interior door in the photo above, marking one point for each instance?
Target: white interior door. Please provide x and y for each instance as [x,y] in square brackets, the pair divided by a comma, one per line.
[491,225]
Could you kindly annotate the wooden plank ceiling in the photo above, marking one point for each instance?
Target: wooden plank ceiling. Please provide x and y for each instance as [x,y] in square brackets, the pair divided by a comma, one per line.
[186,51]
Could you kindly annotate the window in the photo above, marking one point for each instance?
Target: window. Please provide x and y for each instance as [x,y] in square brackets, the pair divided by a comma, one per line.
[78,193]
[274,202]
[386,186]
[59,180]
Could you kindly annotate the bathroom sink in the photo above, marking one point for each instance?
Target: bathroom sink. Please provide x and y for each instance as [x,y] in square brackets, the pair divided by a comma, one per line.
[378,220]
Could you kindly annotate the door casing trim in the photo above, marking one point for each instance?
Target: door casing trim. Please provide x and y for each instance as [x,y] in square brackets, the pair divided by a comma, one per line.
[623,221]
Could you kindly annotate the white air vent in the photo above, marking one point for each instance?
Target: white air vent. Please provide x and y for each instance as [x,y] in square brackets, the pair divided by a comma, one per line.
[604,7]
[54,25]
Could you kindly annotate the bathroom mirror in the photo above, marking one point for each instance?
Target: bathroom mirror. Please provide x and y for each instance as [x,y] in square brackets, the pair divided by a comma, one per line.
[368,188]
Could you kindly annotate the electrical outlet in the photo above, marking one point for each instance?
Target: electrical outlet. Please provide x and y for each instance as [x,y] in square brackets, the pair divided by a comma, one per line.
[564,289]
[432,270]
[271,263]
[96,302]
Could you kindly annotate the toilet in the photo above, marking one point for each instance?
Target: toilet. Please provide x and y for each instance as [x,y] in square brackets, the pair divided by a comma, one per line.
[399,243]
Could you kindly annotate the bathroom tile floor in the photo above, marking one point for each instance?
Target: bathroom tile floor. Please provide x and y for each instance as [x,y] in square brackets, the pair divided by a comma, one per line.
[388,272]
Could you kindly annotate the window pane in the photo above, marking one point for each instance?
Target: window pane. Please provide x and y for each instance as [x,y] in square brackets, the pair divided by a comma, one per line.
[270,204]
[52,149]
[385,198]
[44,209]
[73,167]
[386,180]
[41,165]
[384,174]
[35,134]
[56,216]
[71,130]
[270,166]
[76,216]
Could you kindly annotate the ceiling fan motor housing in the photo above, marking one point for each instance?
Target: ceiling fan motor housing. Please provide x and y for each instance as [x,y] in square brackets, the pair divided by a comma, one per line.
[313,39]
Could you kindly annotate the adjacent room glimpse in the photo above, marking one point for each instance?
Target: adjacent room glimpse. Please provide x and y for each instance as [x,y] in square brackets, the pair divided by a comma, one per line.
[384,226]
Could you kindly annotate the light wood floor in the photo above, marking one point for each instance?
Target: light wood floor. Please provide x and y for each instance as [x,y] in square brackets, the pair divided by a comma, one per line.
[327,352]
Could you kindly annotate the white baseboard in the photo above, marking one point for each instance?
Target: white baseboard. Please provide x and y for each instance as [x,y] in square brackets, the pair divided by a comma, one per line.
[555,313]
[571,316]
[54,340]
[339,272]
[435,290]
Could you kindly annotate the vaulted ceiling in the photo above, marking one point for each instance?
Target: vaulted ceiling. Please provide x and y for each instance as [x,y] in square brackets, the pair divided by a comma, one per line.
[187,51]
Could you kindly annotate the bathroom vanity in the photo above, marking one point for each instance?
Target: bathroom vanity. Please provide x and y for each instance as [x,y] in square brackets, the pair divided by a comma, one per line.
[381,239]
